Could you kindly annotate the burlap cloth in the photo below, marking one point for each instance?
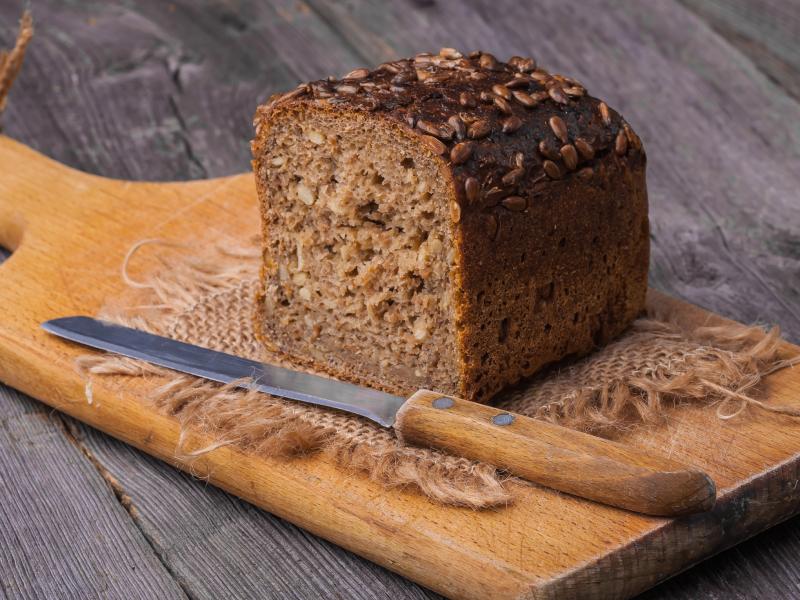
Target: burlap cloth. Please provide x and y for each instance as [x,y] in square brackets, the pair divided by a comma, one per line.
[631,382]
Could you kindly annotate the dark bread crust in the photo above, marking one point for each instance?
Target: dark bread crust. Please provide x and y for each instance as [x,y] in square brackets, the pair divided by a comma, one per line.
[551,261]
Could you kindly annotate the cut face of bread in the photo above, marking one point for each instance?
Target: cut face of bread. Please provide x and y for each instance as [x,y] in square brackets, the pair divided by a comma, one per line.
[359,250]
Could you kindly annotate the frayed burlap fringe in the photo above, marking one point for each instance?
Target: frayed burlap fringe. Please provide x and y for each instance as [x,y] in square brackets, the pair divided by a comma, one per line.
[11,62]
[210,301]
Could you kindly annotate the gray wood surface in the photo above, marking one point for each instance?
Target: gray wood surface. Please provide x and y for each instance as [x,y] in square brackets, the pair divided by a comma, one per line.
[148,90]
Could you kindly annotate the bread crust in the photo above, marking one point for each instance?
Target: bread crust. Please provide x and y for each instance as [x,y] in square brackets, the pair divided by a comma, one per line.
[548,202]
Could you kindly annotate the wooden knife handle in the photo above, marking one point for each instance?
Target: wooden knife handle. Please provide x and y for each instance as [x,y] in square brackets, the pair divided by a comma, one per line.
[554,456]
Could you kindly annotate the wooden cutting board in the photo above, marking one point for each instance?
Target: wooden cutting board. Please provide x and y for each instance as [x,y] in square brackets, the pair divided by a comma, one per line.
[70,233]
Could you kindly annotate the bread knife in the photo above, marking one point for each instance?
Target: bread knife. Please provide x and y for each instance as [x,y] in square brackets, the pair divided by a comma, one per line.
[550,455]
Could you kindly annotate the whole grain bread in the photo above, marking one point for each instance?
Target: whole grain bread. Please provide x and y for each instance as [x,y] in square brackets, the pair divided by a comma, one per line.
[447,222]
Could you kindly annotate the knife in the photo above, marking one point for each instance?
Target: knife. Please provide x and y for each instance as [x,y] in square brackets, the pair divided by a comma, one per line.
[560,458]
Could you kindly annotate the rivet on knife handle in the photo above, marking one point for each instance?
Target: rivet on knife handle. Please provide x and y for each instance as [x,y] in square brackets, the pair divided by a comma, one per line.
[554,456]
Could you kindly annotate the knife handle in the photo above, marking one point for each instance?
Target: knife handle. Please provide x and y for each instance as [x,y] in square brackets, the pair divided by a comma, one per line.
[560,458]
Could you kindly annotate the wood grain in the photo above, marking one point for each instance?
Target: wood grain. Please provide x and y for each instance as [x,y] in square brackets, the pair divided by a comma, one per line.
[562,459]
[101,97]
[538,547]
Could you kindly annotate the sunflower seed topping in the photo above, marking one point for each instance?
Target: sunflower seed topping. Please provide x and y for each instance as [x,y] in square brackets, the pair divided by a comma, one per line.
[513,177]
[557,94]
[502,91]
[472,188]
[605,114]
[621,145]
[512,124]
[503,105]
[584,148]
[552,170]
[559,128]
[458,126]
[435,145]
[455,211]
[357,74]
[515,203]
[570,157]
[525,99]
[462,152]
[479,129]
[549,150]
[467,100]
[450,53]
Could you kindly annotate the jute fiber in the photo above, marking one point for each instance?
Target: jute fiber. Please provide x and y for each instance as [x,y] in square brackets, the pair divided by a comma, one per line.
[633,381]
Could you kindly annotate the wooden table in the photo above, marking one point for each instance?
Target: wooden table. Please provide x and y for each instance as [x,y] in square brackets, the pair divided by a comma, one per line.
[158,91]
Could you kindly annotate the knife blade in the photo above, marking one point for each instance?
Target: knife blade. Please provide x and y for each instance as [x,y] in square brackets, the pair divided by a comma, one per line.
[567,460]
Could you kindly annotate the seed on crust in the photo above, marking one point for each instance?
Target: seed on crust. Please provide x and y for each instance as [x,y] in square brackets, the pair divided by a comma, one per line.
[542,78]
[525,99]
[459,129]
[621,145]
[487,61]
[295,93]
[518,159]
[422,57]
[552,169]
[488,97]
[469,118]
[585,174]
[540,96]
[472,188]
[347,88]
[467,100]
[584,148]
[435,145]
[491,227]
[549,150]
[455,211]
[574,92]
[411,119]
[570,156]
[605,114]
[432,129]
[512,124]
[272,100]
[526,65]
[519,82]
[450,53]
[514,60]
[477,76]
[357,74]
[513,177]
[479,129]
[503,105]
[405,77]
[390,66]
[559,128]
[633,140]
[502,91]
[515,203]
[557,94]
[462,152]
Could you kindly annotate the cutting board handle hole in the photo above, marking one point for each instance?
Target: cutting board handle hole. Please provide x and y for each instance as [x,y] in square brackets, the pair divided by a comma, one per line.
[4,254]
[12,226]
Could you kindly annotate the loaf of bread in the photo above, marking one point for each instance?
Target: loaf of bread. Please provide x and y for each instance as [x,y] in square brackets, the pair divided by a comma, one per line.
[447,222]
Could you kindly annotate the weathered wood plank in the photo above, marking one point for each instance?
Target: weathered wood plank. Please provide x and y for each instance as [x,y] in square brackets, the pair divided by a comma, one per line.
[219,546]
[766,31]
[62,532]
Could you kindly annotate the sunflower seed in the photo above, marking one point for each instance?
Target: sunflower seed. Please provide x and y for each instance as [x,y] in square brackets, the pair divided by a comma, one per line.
[525,99]
[424,57]
[479,129]
[455,211]
[540,96]
[527,65]
[450,53]
[575,83]
[434,144]
[621,145]
[458,126]
[512,124]
[431,129]
[399,89]
[605,114]
[515,203]
[272,100]
[518,159]
[462,152]
[514,60]
[367,84]
[584,148]
[633,139]
[494,195]
[503,105]
[405,77]
[467,100]
[574,92]
[469,118]
[549,150]
[502,91]
[475,53]
[513,177]
[344,88]
[557,94]
[478,76]
[391,67]
[519,82]
[585,174]
[559,128]
[487,97]
[447,131]
[295,93]
[541,77]
[570,156]
[321,86]
[486,60]
[491,227]
[357,74]
[472,188]
[552,169]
